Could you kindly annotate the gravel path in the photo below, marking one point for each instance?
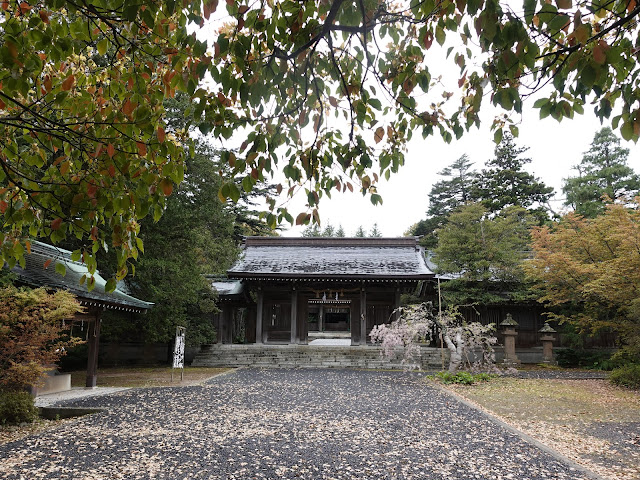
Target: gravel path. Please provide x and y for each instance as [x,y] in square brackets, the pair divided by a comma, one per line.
[283,424]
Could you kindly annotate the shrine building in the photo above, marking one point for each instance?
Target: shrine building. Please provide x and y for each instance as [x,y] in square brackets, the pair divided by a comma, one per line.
[292,290]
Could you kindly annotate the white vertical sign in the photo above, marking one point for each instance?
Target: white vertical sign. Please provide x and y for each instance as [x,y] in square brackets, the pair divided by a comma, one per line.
[178,351]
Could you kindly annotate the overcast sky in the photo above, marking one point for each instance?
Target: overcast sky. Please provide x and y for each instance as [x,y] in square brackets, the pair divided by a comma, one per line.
[554,149]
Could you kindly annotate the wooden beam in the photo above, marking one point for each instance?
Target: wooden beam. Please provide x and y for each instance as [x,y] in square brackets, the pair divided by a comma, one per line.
[93,342]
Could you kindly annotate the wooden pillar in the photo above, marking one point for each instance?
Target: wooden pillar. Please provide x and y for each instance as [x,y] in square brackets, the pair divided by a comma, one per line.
[294,317]
[363,317]
[218,326]
[227,324]
[93,342]
[321,318]
[303,319]
[396,304]
[259,307]
[251,324]
[354,322]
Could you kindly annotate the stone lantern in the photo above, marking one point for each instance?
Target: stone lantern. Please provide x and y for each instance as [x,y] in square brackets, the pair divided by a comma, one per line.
[509,331]
[547,339]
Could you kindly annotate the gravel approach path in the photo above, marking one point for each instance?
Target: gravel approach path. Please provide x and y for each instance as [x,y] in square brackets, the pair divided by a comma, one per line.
[283,424]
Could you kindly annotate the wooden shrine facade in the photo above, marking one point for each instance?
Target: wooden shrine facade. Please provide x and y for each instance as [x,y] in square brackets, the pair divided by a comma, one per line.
[293,287]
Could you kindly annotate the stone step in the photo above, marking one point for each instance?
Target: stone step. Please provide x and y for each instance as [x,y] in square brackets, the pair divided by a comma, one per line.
[308,356]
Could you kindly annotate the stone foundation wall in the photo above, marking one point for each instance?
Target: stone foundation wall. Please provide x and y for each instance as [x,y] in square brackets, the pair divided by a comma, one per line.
[309,356]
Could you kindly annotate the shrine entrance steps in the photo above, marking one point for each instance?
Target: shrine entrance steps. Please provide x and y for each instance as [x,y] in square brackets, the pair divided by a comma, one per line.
[312,356]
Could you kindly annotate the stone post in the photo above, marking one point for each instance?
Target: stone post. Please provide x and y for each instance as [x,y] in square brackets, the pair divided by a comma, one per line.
[509,331]
[547,339]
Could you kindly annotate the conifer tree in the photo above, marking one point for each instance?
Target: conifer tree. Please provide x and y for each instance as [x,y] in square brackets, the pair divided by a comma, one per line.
[505,183]
[603,174]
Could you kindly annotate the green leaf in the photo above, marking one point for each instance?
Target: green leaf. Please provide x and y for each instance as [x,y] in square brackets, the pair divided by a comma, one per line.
[102,46]
[540,102]
[234,192]
[440,36]
[110,286]
[130,10]
[497,136]
[61,269]
[627,130]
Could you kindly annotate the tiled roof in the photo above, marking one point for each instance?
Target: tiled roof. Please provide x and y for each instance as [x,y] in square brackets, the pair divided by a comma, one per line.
[226,287]
[335,258]
[36,275]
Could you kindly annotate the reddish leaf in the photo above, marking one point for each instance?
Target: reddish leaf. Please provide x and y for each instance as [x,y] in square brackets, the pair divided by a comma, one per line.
[111,150]
[64,168]
[44,16]
[128,108]
[68,83]
[379,135]
[3,206]
[112,170]
[161,134]
[301,219]
[142,149]
[167,186]
[55,225]
[427,40]
[599,54]
[46,264]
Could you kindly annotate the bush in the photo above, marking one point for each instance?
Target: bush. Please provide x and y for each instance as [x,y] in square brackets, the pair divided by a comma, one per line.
[581,358]
[463,378]
[627,376]
[17,407]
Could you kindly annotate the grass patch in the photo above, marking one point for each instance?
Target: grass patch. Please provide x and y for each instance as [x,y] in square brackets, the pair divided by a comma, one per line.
[146,376]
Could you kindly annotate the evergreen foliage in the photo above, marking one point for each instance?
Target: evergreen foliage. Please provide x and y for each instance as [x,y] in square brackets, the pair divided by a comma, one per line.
[505,183]
[603,176]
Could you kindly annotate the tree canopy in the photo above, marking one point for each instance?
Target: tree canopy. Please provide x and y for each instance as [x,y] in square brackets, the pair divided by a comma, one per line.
[484,254]
[82,87]
[33,333]
[588,271]
[603,175]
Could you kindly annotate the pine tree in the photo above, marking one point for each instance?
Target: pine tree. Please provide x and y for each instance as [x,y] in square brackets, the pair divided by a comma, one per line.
[360,232]
[446,195]
[340,231]
[375,231]
[454,191]
[505,183]
[328,231]
[602,173]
